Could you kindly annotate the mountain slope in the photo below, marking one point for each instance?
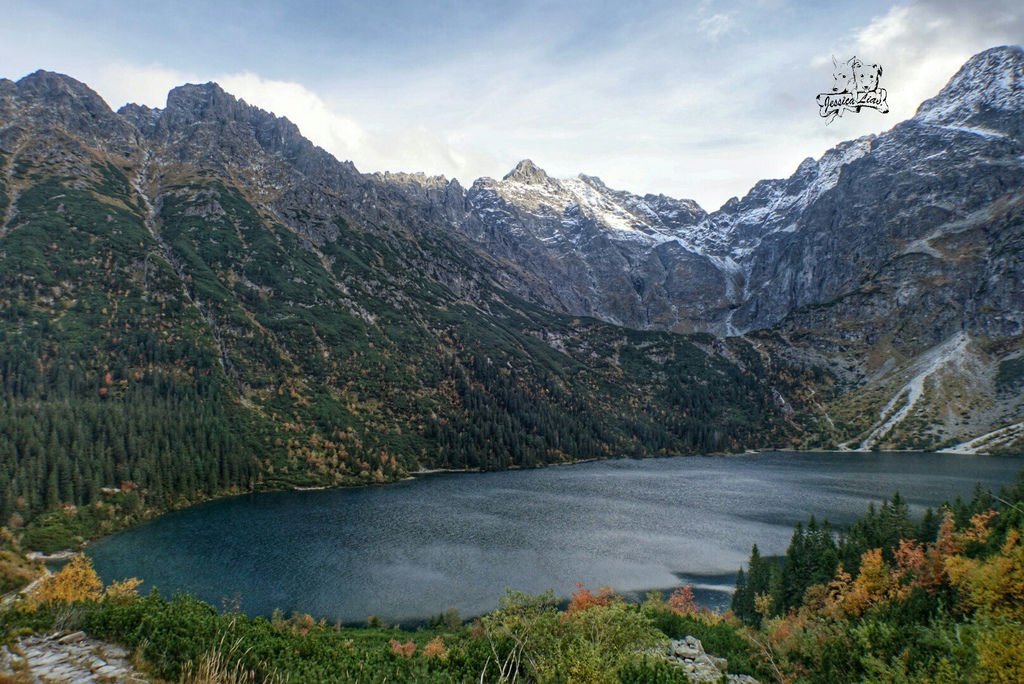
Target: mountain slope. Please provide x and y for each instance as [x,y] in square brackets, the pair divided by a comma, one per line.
[626,259]
[926,321]
[655,262]
[884,251]
[197,300]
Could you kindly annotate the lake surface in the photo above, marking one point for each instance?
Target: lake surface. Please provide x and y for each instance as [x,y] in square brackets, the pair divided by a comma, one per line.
[408,551]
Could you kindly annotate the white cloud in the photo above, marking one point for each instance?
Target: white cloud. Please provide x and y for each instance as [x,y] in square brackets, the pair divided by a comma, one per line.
[922,43]
[717,25]
[391,148]
[394,149]
[149,84]
[340,135]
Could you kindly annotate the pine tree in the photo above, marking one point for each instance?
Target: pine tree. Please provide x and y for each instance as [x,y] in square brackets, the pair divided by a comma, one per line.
[758,581]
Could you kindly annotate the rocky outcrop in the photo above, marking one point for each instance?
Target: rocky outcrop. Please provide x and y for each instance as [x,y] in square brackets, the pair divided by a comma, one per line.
[583,248]
[918,229]
[61,106]
[70,657]
[688,653]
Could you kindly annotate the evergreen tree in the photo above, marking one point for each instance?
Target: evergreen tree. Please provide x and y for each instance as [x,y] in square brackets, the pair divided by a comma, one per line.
[757,581]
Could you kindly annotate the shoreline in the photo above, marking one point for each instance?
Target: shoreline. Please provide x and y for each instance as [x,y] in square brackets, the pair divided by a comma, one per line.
[65,554]
[40,557]
[721,590]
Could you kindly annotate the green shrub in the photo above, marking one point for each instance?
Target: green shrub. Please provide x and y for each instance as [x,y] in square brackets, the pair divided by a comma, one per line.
[721,638]
[651,670]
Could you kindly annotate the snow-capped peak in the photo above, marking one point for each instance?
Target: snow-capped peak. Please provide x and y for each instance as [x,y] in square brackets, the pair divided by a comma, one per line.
[993,79]
[572,203]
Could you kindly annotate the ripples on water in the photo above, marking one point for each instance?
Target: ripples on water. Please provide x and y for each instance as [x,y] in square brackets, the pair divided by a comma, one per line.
[407,551]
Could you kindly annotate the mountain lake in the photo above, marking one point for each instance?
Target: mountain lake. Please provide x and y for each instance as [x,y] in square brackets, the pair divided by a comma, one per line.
[408,551]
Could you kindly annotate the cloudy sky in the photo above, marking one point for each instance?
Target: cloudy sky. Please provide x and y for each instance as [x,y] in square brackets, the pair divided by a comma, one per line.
[690,99]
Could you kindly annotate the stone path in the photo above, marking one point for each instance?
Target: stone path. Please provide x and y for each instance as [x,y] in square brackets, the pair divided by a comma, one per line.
[74,657]
[8,599]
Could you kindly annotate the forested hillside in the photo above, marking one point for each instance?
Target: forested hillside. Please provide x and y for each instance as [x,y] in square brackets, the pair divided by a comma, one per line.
[181,319]
[894,597]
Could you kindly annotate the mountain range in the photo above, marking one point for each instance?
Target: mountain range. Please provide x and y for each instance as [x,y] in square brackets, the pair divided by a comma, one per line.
[197,299]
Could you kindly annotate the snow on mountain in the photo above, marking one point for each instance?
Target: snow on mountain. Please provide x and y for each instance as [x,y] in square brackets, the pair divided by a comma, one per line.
[774,206]
[574,203]
[991,80]
[646,262]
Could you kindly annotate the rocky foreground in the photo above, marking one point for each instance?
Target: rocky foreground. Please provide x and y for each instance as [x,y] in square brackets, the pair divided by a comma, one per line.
[74,657]
[70,657]
[701,667]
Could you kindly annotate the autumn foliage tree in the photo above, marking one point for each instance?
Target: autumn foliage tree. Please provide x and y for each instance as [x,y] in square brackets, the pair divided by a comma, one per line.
[122,592]
[76,581]
[403,649]
[937,601]
[436,648]
[682,601]
[994,588]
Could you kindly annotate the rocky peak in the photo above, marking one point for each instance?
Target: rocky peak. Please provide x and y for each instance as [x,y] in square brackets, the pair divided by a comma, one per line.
[527,172]
[60,90]
[207,102]
[204,120]
[807,167]
[49,99]
[418,179]
[142,117]
[593,181]
[991,80]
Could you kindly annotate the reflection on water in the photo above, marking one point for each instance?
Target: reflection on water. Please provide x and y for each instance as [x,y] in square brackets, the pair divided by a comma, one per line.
[407,551]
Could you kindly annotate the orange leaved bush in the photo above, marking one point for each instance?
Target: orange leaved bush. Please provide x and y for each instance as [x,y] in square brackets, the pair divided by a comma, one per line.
[123,592]
[436,648]
[406,650]
[583,598]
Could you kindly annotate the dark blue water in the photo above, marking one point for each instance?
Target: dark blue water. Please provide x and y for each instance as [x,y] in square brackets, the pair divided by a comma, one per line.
[408,551]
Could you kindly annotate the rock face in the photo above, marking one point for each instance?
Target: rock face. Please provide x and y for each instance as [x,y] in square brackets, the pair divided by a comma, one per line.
[929,213]
[62,106]
[933,206]
[590,250]
[906,278]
